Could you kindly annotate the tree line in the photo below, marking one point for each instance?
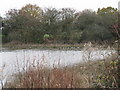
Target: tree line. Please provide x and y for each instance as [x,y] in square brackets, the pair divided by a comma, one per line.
[32,24]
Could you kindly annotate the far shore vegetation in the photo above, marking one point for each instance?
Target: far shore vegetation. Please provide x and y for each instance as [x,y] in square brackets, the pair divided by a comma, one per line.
[33,25]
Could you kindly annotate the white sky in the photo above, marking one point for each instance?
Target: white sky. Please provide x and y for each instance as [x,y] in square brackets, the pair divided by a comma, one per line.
[80,5]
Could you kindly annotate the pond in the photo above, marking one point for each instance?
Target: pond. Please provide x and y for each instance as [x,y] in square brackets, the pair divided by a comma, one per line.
[12,60]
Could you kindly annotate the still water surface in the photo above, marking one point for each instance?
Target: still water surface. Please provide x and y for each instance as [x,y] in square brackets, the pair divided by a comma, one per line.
[17,59]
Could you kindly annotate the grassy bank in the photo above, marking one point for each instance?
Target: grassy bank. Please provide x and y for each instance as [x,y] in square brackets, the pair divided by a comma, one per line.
[89,74]
[42,46]
[14,46]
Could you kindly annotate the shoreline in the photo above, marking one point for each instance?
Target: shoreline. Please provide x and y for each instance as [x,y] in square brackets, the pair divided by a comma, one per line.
[43,46]
[54,46]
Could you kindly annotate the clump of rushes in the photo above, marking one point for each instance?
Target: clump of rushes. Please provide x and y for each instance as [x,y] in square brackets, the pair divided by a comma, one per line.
[89,74]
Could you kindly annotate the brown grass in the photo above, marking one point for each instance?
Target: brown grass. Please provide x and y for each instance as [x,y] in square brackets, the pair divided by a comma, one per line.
[90,74]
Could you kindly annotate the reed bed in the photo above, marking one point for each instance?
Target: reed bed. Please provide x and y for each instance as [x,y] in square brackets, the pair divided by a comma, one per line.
[88,74]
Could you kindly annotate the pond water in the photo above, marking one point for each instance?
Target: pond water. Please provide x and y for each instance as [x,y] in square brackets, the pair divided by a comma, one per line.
[11,61]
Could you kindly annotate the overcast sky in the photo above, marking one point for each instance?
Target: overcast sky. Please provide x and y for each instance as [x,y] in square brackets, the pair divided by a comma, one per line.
[80,5]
